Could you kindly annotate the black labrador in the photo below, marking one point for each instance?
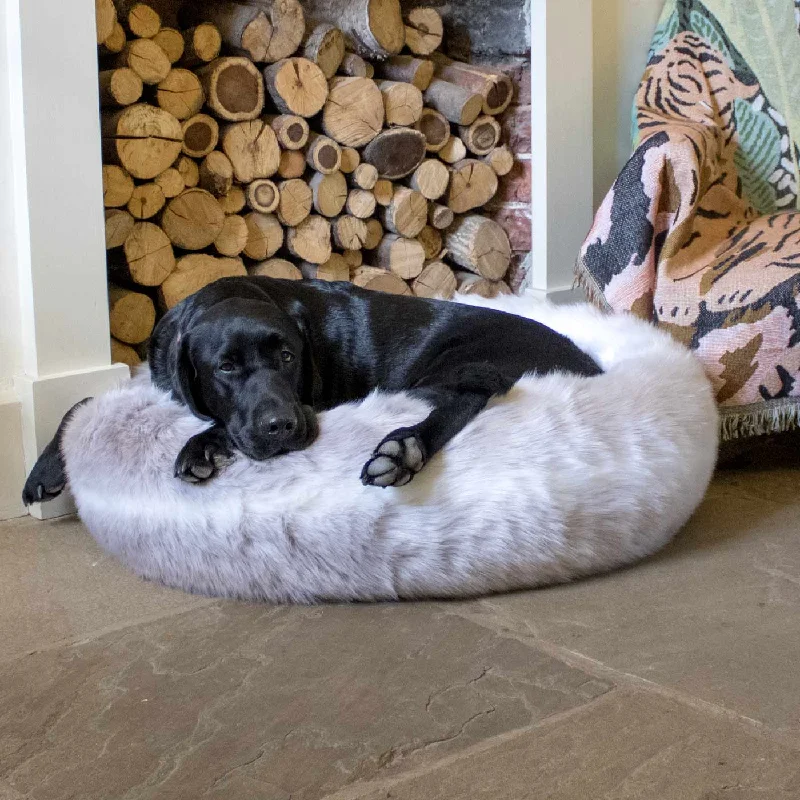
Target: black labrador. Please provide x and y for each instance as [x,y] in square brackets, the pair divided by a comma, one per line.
[260,356]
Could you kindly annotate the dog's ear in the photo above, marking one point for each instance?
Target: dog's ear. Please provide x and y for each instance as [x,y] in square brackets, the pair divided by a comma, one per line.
[311,392]
[183,375]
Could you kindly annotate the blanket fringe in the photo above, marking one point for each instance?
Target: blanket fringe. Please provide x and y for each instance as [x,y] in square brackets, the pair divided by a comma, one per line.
[585,281]
[779,416]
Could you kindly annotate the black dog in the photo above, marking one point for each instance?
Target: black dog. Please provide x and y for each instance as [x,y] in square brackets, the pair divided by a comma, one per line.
[259,356]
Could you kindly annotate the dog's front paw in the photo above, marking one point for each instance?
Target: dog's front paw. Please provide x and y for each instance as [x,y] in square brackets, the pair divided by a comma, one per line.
[202,459]
[47,479]
[396,460]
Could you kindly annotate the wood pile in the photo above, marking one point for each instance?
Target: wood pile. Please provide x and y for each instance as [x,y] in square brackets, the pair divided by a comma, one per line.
[329,140]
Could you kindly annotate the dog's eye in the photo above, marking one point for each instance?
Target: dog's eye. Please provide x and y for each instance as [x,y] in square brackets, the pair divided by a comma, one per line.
[287,357]
[226,366]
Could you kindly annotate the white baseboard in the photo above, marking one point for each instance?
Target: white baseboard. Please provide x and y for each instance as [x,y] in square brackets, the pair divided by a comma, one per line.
[43,402]
[560,295]
[12,463]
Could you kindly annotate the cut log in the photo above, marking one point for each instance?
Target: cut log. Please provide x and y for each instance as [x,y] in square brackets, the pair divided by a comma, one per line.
[479,245]
[349,233]
[124,354]
[372,27]
[459,105]
[119,87]
[310,240]
[143,139]
[290,130]
[146,201]
[193,219]
[440,217]
[334,269]
[364,176]
[132,315]
[396,153]
[469,283]
[501,160]
[195,271]
[216,173]
[234,201]
[353,66]
[424,30]
[431,241]
[296,86]
[292,164]
[189,171]
[482,136]
[407,69]
[117,186]
[264,236]
[379,280]
[404,257]
[149,257]
[146,59]
[402,102]
[454,151]
[353,258]
[329,193]
[351,160]
[360,203]
[115,43]
[430,179]
[263,31]
[105,16]
[323,154]
[375,233]
[295,203]
[234,88]
[180,93]
[262,195]
[407,213]
[171,182]
[435,128]
[325,47]
[383,191]
[353,113]
[200,135]
[233,237]
[119,224]
[170,40]
[435,281]
[276,268]
[201,45]
[252,148]
[140,19]
[472,184]
[496,90]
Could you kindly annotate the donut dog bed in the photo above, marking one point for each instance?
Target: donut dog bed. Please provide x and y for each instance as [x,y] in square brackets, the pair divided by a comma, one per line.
[563,477]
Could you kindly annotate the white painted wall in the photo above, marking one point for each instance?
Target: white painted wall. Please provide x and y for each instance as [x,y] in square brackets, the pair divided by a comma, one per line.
[622,30]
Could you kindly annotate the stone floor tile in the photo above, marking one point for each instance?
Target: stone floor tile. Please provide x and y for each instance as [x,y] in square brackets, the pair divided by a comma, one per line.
[241,701]
[716,615]
[625,746]
[56,585]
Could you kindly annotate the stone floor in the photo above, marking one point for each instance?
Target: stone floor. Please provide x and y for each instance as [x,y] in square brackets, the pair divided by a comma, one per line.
[678,679]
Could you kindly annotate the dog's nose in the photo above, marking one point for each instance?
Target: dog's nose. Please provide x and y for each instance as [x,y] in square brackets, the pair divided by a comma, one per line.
[280,425]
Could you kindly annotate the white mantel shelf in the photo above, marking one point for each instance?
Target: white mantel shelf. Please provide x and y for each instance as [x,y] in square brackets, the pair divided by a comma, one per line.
[54,311]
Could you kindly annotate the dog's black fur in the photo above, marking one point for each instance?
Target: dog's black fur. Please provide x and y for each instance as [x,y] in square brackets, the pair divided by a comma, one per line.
[259,356]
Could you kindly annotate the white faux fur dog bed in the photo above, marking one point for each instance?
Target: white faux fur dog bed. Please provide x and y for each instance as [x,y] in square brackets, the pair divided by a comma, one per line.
[564,477]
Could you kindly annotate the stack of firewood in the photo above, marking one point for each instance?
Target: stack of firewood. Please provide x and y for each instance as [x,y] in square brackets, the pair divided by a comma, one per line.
[328,140]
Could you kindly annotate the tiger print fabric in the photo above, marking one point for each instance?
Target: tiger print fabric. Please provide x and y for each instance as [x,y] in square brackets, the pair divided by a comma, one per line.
[701,232]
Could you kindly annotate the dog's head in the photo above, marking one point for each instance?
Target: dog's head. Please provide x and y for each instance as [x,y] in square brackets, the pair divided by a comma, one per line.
[231,354]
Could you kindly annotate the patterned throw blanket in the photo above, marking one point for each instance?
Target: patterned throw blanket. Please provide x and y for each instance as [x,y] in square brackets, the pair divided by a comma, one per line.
[700,232]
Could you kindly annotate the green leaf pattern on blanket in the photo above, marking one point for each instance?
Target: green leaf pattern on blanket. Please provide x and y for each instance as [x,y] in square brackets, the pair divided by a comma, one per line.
[705,27]
[758,154]
[667,29]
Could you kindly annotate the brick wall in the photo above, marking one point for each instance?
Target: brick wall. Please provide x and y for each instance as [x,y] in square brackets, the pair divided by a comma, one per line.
[497,33]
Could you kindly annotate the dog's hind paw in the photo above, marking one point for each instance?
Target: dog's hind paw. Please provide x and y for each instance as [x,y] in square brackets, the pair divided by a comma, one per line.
[202,459]
[396,460]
